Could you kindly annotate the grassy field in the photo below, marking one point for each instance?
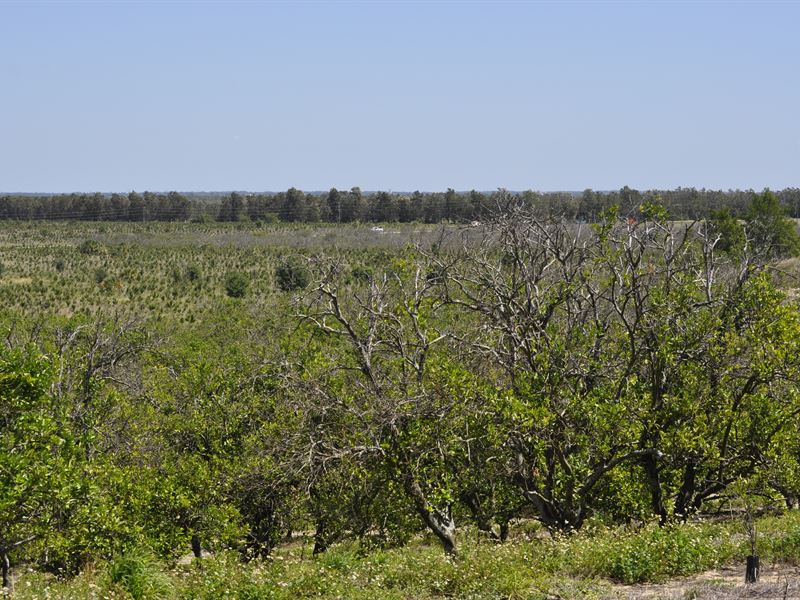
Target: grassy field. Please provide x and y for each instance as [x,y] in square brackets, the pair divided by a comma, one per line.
[168,270]
[177,270]
[599,562]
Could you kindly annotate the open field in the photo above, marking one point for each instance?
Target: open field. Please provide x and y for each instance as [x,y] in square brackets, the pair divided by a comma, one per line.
[143,269]
[168,270]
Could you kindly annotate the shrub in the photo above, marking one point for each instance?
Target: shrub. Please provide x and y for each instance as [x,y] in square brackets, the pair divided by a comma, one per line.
[236,284]
[435,276]
[291,275]
[141,575]
[90,247]
[770,228]
[656,554]
[732,238]
[362,274]
[193,273]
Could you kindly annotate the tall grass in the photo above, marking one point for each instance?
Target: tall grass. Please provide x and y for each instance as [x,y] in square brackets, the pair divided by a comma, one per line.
[139,573]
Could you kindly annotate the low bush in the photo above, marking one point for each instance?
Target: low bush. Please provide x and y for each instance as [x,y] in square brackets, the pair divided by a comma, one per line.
[655,554]
[361,274]
[90,247]
[141,575]
[292,274]
[236,284]
[193,273]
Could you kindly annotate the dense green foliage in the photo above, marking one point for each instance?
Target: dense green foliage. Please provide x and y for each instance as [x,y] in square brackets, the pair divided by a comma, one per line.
[769,228]
[374,393]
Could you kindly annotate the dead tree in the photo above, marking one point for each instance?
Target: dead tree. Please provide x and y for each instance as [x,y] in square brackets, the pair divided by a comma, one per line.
[386,334]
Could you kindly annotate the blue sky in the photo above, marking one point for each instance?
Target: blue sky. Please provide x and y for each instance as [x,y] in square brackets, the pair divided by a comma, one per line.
[112,96]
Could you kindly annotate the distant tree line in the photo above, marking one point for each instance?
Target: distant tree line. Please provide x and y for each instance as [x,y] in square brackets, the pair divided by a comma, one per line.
[337,206]
[99,207]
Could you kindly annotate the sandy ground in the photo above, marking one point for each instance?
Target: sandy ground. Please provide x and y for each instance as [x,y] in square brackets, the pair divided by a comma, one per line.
[775,582]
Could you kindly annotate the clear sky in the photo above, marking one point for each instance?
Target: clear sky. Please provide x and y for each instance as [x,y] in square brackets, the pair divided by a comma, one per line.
[111,96]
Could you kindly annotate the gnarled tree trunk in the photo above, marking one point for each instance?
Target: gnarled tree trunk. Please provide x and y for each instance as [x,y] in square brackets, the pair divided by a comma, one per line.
[5,566]
[441,523]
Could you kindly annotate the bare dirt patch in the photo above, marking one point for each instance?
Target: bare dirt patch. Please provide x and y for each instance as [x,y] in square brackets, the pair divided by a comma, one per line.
[727,583]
